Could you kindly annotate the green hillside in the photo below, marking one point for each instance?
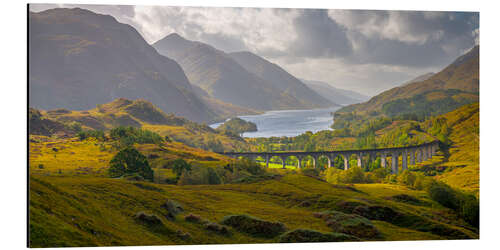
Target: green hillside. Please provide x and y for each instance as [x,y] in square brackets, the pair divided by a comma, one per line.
[142,114]
[73,202]
[86,211]
[454,86]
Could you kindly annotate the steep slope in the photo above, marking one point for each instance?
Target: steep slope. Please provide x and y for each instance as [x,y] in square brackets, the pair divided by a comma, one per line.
[457,83]
[340,96]
[463,160]
[419,78]
[280,79]
[222,77]
[78,59]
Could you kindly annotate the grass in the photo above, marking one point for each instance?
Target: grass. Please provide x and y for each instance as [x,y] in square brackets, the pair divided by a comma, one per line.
[73,203]
[463,161]
[76,211]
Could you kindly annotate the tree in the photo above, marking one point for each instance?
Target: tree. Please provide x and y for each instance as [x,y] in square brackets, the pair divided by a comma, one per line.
[179,166]
[129,161]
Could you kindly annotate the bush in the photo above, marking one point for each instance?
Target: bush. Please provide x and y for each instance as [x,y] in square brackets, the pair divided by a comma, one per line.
[310,172]
[254,226]
[130,135]
[307,235]
[444,195]
[179,166]
[199,176]
[407,178]
[129,161]
[352,175]
[98,134]
[469,210]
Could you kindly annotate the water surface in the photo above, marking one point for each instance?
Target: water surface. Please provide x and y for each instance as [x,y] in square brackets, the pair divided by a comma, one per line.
[288,122]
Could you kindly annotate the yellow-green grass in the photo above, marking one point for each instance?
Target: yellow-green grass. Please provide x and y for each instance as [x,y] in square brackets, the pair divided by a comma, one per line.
[195,137]
[463,162]
[91,157]
[69,156]
[76,211]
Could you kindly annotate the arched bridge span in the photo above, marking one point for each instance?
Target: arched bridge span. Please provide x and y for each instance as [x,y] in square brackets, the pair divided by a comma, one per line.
[409,155]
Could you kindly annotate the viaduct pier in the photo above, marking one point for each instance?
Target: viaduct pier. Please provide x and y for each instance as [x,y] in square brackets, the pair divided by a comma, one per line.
[409,155]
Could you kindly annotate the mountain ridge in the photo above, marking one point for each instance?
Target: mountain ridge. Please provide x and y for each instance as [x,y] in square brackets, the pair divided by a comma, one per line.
[223,78]
[65,45]
[462,75]
[280,78]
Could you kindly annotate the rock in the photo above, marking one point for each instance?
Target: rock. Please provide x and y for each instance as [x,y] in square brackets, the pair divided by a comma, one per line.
[217,228]
[183,235]
[193,218]
[350,224]
[254,226]
[173,208]
[148,219]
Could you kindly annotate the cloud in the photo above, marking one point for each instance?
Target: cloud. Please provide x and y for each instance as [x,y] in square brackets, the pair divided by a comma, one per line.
[410,38]
[364,50]
[319,36]
[229,29]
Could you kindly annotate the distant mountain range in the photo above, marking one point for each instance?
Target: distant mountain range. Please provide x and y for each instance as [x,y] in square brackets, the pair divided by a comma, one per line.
[341,96]
[242,79]
[281,80]
[78,59]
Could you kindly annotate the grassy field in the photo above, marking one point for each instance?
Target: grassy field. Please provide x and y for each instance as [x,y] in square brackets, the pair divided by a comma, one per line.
[94,211]
[73,202]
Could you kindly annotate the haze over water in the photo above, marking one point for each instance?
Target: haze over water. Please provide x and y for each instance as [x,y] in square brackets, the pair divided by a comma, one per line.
[288,122]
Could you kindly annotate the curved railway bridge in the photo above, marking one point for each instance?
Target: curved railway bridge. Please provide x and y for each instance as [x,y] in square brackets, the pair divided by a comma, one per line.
[413,154]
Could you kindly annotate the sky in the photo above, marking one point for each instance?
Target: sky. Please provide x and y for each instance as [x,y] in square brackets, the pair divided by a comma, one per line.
[367,51]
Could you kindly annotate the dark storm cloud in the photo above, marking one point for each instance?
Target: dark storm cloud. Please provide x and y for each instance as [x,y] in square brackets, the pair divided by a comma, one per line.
[319,36]
[407,38]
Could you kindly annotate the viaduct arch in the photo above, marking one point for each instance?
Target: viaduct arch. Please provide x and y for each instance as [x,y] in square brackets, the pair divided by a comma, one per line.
[416,154]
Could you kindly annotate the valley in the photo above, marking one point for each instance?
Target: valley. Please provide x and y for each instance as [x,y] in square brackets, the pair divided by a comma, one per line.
[129,144]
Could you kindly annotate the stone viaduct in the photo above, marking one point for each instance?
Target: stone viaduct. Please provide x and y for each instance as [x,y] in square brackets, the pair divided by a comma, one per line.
[415,154]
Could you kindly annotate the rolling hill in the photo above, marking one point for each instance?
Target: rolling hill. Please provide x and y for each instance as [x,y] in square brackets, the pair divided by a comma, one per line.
[79,59]
[223,78]
[136,113]
[340,96]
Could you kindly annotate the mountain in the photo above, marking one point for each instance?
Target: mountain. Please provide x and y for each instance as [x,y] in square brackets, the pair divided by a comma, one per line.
[78,59]
[419,78]
[340,96]
[279,79]
[454,86]
[223,78]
